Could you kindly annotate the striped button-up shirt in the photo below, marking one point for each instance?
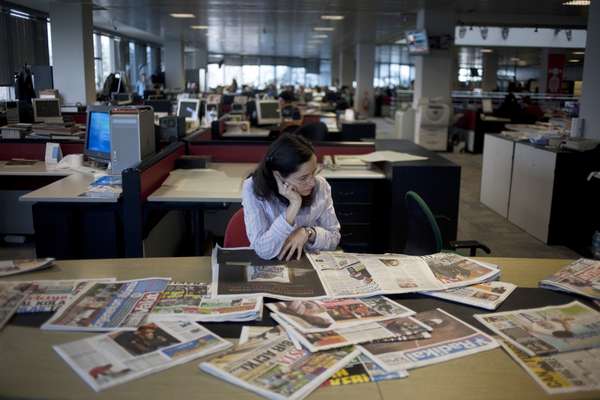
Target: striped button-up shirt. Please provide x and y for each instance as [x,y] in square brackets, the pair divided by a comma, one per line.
[267,228]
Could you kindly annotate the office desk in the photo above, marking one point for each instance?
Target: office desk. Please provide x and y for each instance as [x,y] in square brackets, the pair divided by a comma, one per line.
[254,132]
[31,368]
[66,190]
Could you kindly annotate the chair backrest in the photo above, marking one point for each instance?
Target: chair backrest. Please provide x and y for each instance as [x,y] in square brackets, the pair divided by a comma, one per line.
[235,233]
[316,132]
[423,235]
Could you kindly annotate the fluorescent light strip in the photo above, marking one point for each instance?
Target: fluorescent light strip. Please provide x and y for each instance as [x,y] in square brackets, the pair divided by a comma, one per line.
[487,50]
[323,29]
[574,60]
[580,3]
[320,36]
[578,53]
[332,17]
[182,15]
[204,27]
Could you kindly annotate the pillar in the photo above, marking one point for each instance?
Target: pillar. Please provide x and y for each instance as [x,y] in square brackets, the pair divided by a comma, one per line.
[590,96]
[489,80]
[365,66]
[174,72]
[335,66]
[347,66]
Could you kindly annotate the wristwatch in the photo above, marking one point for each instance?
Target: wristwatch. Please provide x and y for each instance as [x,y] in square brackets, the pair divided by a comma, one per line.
[312,234]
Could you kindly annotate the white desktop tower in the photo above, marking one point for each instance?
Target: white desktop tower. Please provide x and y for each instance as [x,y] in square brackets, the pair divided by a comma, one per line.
[432,121]
[131,135]
[404,124]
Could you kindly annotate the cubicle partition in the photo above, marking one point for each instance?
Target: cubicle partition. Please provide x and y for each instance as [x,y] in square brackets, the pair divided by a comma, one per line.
[35,149]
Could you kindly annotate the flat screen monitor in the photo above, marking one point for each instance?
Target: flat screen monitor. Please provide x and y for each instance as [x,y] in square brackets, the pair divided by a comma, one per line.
[268,112]
[486,104]
[189,109]
[46,110]
[97,139]
[417,42]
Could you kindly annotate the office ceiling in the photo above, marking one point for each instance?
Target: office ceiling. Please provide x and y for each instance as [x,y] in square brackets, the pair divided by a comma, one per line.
[286,27]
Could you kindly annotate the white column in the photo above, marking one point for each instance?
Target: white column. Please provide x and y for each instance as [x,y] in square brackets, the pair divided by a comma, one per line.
[73,52]
[365,73]
[174,73]
[489,81]
[590,97]
[335,66]
[347,66]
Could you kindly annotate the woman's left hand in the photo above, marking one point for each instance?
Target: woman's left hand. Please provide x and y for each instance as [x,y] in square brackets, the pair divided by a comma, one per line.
[294,244]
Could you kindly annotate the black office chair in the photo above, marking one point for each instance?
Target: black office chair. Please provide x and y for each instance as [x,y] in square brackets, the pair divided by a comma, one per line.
[316,132]
[423,235]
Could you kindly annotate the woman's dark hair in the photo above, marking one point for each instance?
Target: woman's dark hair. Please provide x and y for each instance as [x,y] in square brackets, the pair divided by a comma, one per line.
[284,155]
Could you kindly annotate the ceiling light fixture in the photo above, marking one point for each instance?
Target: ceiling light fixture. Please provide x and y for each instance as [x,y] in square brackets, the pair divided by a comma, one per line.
[204,27]
[323,29]
[401,41]
[580,3]
[487,50]
[182,15]
[578,53]
[320,36]
[574,60]
[332,17]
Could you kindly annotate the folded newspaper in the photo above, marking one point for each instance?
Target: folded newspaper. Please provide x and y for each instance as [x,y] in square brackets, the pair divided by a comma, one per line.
[395,330]
[581,277]
[12,295]
[276,369]
[308,316]
[192,301]
[12,267]
[108,306]
[113,358]
[547,330]
[573,371]
[488,295]
[451,338]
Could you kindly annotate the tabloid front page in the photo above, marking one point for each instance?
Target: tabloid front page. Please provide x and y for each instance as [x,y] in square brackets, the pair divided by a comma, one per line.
[110,359]
[13,267]
[451,338]
[488,295]
[12,295]
[276,369]
[581,277]
[547,330]
[108,306]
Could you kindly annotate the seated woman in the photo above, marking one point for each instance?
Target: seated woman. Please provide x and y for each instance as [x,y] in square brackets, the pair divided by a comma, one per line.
[287,207]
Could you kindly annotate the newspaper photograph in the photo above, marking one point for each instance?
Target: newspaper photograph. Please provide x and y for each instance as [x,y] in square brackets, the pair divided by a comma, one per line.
[50,295]
[192,301]
[488,295]
[450,338]
[13,267]
[573,371]
[12,295]
[241,272]
[454,270]
[397,329]
[581,277]
[309,316]
[110,359]
[547,330]
[362,370]
[260,333]
[276,369]
[108,306]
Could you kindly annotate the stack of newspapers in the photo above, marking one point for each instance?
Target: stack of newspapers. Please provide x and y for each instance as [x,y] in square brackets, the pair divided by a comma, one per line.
[581,277]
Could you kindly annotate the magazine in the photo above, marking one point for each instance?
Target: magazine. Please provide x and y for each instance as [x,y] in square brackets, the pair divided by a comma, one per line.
[276,369]
[108,306]
[573,371]
[362,370]
[488,295]
[50,295]
[451,338]
[308,316]
[12,295]
[581,277]
[12,267]
[113,358]
[397,329]
[547,330]
[192,301]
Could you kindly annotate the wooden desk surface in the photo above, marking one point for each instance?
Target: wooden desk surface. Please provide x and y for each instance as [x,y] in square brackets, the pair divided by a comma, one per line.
[66,190]
[38,169]
[31,368]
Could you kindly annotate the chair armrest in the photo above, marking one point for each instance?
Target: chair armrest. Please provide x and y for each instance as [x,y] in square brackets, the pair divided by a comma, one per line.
[473,245]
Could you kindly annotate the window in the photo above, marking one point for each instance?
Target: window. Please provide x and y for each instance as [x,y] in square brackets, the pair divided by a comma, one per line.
[266,76]
[232,72]
[298,76]
[215,76]
[283,75]
[250,75]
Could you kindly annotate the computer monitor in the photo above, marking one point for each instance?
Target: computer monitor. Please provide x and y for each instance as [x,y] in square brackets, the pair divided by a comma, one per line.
[487,106]
[268,112]
[417,41]
[97,138]
[47,110]
[121,99]
[189,109]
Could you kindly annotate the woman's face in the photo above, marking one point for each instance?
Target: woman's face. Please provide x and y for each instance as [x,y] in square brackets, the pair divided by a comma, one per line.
[303,180]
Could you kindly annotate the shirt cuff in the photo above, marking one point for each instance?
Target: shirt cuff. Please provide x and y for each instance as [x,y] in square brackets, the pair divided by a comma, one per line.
[282,227]
[318,237]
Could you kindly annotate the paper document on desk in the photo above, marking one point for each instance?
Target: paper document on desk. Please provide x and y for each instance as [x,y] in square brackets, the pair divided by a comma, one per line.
[13,267]
[390,156]
[12,295]
[488,295]
[581,277]
[110,359]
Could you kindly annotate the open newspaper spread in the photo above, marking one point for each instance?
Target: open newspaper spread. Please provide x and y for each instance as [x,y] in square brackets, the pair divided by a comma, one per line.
[573,371]
[488,295]
[192,301]
[109,359]
[276,369]
[308,316]
[12,295]
[50,295]
[547,330]
[451,338]
[581,277]
[108,306]
[397,329]
[12,267]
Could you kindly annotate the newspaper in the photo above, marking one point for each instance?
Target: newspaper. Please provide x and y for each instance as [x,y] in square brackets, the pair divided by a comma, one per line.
[488,295]
[12,267]
[390,156]
[50,295]
[12,295]
[241,272]
[581,277]
[573,371]
[397,329]
[108,306]
[106,360]
[192,301]
[547,330]
[260,333]
[357,275]
[451,338]
[276,369]
[308,316]
[362,370]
